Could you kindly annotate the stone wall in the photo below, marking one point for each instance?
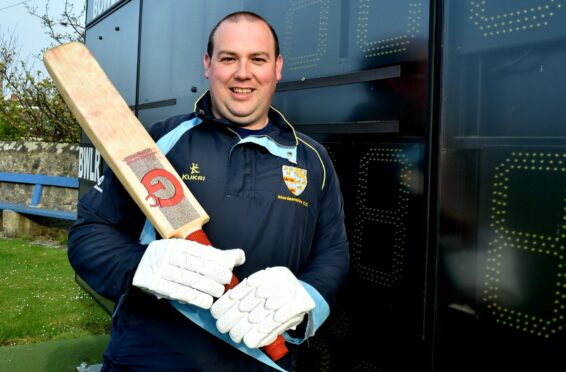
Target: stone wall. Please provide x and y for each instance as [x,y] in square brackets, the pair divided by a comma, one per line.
[53,159]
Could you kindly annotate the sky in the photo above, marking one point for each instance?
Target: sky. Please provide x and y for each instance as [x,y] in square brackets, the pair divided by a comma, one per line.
[31,38]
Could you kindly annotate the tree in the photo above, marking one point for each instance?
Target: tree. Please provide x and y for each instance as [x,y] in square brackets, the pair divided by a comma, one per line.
[30,106]
[68,27]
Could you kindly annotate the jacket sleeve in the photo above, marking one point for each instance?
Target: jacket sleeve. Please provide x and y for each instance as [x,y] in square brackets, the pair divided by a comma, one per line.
[328,265]
[103,243]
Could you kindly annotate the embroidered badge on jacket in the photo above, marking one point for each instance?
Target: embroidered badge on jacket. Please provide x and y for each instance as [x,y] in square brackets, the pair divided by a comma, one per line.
[295,179]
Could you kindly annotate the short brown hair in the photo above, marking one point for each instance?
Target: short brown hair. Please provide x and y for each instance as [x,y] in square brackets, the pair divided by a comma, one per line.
[234,17]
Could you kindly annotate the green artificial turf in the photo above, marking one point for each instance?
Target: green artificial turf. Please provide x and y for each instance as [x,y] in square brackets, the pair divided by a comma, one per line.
[53,356]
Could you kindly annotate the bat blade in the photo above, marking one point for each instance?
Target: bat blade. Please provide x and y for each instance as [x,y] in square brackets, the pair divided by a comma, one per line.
[123,142]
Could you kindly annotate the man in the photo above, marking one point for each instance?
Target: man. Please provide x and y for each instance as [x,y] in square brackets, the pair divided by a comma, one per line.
[269,190]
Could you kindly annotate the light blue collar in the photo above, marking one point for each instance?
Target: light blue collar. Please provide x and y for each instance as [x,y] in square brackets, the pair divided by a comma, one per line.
[275,149]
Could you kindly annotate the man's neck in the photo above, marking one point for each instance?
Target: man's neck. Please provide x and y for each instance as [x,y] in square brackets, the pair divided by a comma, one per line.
[246,131]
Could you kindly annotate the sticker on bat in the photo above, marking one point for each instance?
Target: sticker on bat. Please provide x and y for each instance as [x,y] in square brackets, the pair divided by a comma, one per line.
[164,190]
[153,182]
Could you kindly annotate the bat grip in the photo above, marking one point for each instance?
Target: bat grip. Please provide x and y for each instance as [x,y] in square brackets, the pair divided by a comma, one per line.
[277,349]
[198,236]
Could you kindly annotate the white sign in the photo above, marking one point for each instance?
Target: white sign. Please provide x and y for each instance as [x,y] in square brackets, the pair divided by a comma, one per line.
[89,164]
[100,6]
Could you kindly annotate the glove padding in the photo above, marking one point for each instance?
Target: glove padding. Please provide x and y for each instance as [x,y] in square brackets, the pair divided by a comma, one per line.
[186,271]
[262,306]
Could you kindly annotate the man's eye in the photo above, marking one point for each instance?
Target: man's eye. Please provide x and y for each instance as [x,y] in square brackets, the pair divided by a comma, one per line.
[259,60]
[227,59]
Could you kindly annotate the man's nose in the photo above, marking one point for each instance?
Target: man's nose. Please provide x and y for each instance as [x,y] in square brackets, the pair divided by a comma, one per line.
[243,72]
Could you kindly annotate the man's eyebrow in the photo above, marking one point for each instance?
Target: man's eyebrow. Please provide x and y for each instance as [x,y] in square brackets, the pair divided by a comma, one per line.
[258,54]
[226,52]
[255,54]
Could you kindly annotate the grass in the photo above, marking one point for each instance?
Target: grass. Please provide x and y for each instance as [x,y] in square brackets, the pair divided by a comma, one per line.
[40,299]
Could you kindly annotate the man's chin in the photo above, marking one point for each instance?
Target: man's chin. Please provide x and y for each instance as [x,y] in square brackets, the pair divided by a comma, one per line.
[244,121]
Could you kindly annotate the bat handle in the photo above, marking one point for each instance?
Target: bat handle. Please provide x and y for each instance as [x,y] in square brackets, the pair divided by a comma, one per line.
[198,236]
[277,349]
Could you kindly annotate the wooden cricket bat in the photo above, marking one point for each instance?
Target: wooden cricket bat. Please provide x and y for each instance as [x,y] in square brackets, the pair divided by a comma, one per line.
[129,150]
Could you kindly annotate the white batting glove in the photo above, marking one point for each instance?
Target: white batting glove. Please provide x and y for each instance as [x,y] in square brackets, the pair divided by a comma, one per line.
[186,271]
[262,306]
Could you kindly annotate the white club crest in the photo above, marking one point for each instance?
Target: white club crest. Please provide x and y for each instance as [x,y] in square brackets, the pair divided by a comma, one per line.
[295,179]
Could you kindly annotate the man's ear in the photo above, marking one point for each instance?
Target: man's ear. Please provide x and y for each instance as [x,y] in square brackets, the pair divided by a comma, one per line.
[206,62]
[279,66]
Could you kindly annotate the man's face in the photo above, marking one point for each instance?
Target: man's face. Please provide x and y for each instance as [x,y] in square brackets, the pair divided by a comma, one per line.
[243,72]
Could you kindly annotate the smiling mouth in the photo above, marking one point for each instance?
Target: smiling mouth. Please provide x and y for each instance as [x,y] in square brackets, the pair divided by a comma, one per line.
[242,90]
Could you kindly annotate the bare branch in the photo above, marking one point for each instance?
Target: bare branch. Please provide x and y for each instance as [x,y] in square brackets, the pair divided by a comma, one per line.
[68,27]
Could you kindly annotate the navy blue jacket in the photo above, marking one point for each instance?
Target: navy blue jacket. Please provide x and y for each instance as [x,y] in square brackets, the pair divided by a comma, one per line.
[250,188]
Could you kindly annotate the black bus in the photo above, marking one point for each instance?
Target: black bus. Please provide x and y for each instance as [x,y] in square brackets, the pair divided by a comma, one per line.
[446,123]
